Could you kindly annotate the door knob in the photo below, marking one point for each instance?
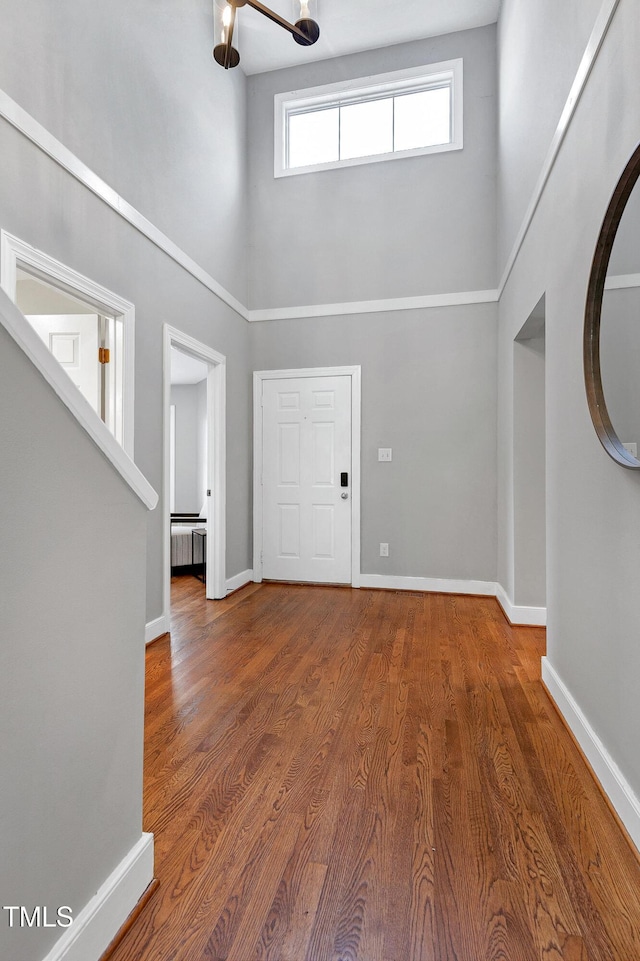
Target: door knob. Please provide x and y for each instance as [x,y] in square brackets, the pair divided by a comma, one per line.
[344,495]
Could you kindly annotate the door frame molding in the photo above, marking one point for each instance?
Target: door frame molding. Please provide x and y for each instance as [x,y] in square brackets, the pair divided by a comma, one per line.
[15,253]
[216,586]
[259,376]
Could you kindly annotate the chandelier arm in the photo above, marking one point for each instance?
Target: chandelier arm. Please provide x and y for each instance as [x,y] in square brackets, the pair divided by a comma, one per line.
[276,18]
[227,53]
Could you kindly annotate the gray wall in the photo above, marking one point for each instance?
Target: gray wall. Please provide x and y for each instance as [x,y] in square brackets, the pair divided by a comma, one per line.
[71,682]
[533,91]
[132,89]
[429,393]
[139,98]
[593,505]
[401,228]
[190,420]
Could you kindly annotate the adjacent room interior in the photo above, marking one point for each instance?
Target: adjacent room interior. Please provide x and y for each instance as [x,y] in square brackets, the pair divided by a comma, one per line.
[189,477]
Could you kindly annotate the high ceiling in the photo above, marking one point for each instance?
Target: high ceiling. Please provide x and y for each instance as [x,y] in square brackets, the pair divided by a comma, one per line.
[347,26]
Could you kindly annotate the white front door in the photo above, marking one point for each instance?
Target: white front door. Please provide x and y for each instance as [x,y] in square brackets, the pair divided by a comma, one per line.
[306,479]
[73,339]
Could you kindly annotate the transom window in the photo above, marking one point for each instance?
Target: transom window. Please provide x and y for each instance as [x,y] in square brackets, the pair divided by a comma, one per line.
[401,114]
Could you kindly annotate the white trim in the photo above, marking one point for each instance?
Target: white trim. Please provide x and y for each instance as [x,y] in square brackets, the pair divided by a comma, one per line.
[239,580]
[613,782]
[155,629]
[380,86]
[529,616]
[437,585]
[356,405]
[516,614]
[216,448]
[16,253]
[589,58]
[621,281]
[424,301]
[100,920]
[40,136]
[43,360]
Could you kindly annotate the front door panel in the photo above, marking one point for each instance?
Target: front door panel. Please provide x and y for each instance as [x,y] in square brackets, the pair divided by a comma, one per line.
[306,447]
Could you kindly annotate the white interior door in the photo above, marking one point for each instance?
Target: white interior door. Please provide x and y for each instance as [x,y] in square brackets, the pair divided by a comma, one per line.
[306,479]
[73,339]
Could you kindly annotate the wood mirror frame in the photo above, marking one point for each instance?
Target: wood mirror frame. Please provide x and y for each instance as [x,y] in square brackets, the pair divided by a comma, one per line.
[592,373]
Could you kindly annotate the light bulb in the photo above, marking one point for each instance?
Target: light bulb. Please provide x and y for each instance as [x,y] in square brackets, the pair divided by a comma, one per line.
[304,10]
[226,15]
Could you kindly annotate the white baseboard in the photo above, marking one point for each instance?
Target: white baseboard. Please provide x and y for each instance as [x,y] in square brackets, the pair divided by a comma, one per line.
[529,616]
[156,628]
[239,580]
[96,926]
[611,778]
[534,616]
[392,582]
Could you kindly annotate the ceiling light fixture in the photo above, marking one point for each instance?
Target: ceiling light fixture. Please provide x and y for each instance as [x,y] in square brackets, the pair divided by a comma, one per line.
[304,31]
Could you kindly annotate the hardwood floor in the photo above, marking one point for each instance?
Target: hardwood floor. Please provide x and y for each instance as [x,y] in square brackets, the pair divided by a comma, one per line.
[334,774]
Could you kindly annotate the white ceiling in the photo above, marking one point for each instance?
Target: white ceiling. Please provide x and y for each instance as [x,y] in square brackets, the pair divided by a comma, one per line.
[347,26]
[186,369]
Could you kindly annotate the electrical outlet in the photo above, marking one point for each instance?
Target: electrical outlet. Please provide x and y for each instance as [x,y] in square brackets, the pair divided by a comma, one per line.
[384,550]
[384,453]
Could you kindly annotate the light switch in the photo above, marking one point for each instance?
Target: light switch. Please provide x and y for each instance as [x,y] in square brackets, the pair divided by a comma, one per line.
[384,453]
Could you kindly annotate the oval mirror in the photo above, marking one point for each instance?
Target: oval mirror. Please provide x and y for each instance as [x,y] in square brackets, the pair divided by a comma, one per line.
[612,324]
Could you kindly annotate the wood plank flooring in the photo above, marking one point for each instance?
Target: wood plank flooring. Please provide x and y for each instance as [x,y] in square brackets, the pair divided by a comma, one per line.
[344,775]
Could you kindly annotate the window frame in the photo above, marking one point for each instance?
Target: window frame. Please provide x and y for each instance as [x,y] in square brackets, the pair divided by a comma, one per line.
[363,89]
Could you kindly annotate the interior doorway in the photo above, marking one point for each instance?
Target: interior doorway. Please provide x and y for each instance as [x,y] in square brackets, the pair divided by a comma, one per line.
[188,465]
[194,463]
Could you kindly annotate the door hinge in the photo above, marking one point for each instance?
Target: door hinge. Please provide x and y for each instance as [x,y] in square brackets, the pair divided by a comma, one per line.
[103,355]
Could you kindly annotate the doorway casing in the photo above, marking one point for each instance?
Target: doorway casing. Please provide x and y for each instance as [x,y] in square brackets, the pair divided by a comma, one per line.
[216,586]
[16,254]
[259,376]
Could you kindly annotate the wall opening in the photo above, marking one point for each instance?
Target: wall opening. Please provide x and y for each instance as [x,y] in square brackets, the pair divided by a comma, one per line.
[88,329]
[529,467]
